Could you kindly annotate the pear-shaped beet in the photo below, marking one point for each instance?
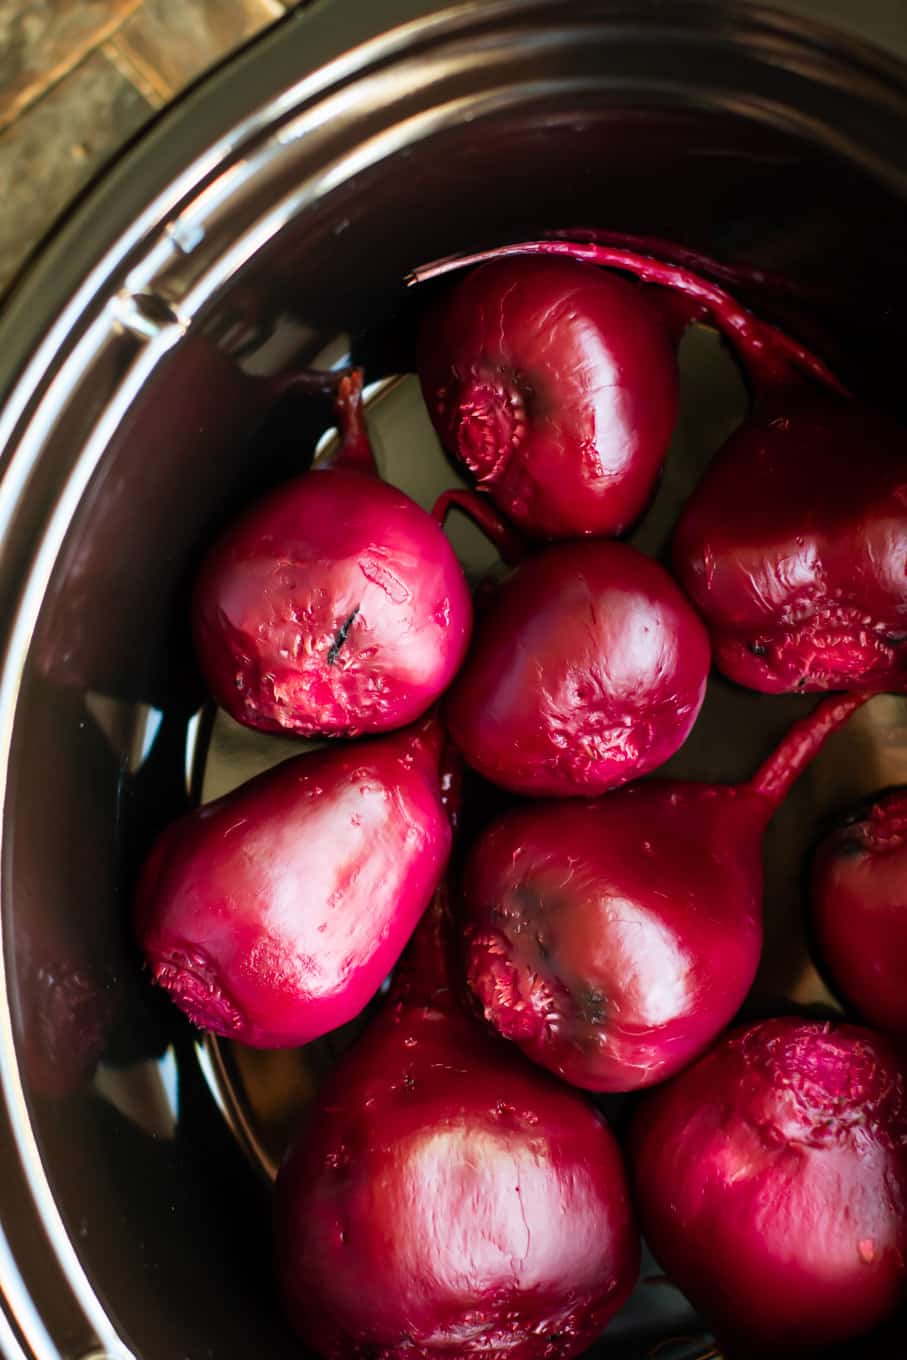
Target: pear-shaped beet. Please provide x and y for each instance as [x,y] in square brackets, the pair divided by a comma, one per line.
[588,668]
[803,578]
[445,1198]
[613,940]
[859,909]
[274,914]
[335,606]
[771,1179]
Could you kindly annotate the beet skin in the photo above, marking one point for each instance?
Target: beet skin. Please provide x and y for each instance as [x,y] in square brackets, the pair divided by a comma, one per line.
[612,940]
[275,913]
[771,1178]
[446,1199]
[859,909]
[587,670]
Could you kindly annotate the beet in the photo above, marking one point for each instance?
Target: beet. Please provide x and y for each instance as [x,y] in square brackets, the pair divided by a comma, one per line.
[803,580]
[556,385]
[859,909]
[771,1179]
[588,668]
[274,914]
[335,606]
[445,1198]
[612,940]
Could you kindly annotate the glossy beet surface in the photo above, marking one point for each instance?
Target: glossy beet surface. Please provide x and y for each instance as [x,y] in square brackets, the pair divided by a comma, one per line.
[803,579]
[772,1182]
[274,914]
[859,909]
[335,606]
[555,384]
[588,668]
[445,1198]
[613,940]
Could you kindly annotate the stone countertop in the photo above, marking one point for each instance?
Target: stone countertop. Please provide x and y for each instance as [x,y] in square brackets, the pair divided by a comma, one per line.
[78,77]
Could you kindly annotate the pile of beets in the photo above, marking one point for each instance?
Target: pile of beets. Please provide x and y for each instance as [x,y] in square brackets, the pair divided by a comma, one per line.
[455,1191]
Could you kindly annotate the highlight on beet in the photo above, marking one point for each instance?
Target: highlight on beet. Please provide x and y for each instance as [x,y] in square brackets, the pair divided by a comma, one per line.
[858,908]
[612,940]
[588,668]
[771,1180]
[274,914]
[445,1197]
[335,606]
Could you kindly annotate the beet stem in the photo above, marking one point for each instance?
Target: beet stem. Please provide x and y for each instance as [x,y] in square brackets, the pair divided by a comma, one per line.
[761,347]
[355,452]
[509,543]
[801,743]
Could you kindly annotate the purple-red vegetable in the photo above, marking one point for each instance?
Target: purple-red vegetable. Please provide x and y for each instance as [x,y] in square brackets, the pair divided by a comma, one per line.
[771,1179]
[613,940]
[274,914]
[588,668]
[445,1198]
[555,384]
[335,606]
[794,548]
[859,909]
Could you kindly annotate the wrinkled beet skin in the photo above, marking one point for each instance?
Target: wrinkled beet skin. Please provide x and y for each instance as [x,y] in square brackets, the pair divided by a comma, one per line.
[803,580]
[447,1199]
[613,940]
[274,914]
[772,1182]
[556,385]
[859,910]
[587,670]
[334,607]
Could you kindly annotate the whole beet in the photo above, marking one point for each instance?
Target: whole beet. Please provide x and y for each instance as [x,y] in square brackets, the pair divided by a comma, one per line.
[771,1179]
[613,940]
[445,1198]
[858,902]
[335,606]
[556,385]
[588,669]
[803,580]
[274,914]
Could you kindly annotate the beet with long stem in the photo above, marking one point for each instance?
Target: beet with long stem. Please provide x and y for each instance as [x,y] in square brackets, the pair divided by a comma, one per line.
[274,914]
[335,606]
[858,902]
[771,1179]
[612,940]
[445,1198]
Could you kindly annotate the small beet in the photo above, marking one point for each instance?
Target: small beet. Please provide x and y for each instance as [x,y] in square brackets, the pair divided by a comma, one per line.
[803,580]
[859,909]
[274,914]
[335,606]
[771,1179]
[445,1198]
[555,384]
[612,940]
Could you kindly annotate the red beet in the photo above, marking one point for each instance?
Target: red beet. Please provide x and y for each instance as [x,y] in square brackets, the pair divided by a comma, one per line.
[445,1198]
[556,385]
[803,580]
[336,605]
[859,909]
[772,1183]
[613,940]
[588,668]
[274,914]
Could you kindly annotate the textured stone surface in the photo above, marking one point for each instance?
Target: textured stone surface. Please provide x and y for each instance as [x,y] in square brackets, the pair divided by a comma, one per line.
[40,40]
[172,41]
[49,153]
